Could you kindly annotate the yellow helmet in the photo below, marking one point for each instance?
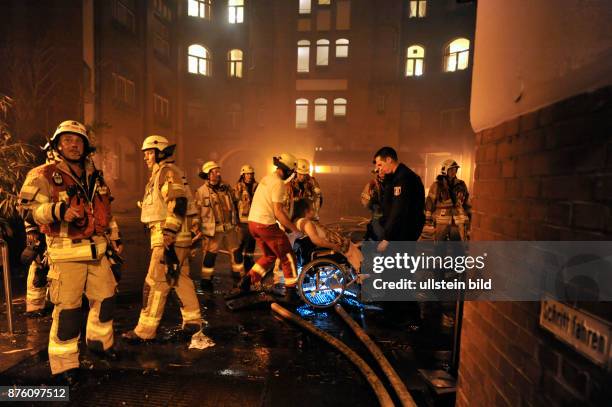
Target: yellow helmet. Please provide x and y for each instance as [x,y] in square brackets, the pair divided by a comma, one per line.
[286,160]
[447,165]
[303,166]
[246,169]
[74,127]
[207,167]
[155,142]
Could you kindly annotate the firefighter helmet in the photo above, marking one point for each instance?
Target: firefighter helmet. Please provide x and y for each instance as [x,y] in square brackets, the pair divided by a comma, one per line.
[285,160]
[207,167]
[155,142]
[74,127]
[447,165]
[246,169]
[303,166]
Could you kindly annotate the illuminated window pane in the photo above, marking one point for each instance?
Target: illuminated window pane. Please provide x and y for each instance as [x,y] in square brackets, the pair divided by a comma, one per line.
[324,2]
[198,60]
[339,107]
[303,56]
[305,7]
[415,58]
[457,55]
[199,8]
[301,113]
[418,9]
[234,60]
[322,52]
[236,11]
[320,113]
[342,48]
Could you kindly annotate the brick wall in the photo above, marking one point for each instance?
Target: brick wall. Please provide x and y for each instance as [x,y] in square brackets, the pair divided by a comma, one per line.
[546,175]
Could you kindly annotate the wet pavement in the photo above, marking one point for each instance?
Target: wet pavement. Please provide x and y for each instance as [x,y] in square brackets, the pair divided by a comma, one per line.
[259,359]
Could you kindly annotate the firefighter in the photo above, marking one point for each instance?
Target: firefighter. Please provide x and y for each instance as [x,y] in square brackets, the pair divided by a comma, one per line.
[216,205]
[371,199]
[447,206]
[304,186]
[70,202]
[245,189]
[169,213]
[266,210]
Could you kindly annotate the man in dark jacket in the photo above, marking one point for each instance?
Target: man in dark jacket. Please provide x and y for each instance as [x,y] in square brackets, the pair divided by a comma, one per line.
[403,201]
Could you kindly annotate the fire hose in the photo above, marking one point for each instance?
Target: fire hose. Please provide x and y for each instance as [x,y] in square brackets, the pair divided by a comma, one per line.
[379,389]
[397,383]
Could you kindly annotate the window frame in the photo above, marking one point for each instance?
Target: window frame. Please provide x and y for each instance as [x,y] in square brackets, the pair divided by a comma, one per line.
[418,14]
[303,44]
[318,104]
[456,56]
[304,104]
[235,12]
[414,60]
[207,61]
[235,67]
[204,9]
[340,103]
[343,45]
[322,44]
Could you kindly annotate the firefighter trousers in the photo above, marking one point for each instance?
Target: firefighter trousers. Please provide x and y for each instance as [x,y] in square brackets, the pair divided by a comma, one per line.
[246,250]
[274,244]
[35,296]
[230,241]
[156,290]
[68,282]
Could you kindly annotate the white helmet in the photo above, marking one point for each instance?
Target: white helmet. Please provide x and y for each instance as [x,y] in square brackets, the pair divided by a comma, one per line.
[155,142]
[74,127]
[246,169]
[447,165]
[303,166]
[286,160]
[207,167]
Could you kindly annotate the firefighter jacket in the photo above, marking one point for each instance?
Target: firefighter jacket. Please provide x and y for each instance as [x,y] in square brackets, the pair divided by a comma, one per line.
[371,198]
[216,208]
[244,197]
[447,202]
[309,189]
[49,190]
[168,206]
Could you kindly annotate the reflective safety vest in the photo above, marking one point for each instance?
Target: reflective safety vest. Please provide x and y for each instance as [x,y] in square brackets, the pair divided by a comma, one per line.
[216,208]
[244,199]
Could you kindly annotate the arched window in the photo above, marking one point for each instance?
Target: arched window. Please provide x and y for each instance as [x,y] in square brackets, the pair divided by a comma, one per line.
[320,112]
[301,113]
[342,48]
[415,57]
[303,56]
[199,8]
[234,63]
[339,107]
[305,7]
[323,52]
[457,55]
[235,11]
[198,61]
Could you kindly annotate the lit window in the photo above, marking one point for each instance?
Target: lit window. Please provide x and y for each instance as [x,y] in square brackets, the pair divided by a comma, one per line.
[457,54]
[124,90]
[414,60]
[339,107]
[236,11]
[234,62]
[325,2]
[305,7]
[343,14]
[342,48]
[199,8]
[320,112]
[199,60]
[301,113]
[161,107]
[303,56]
[418,9]
[322,52]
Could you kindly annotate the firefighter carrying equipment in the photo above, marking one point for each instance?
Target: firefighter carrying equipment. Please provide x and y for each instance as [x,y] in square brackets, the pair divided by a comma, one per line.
[303,166]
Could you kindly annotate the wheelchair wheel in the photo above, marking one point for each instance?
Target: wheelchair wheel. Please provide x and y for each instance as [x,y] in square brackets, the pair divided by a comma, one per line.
[322,283]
